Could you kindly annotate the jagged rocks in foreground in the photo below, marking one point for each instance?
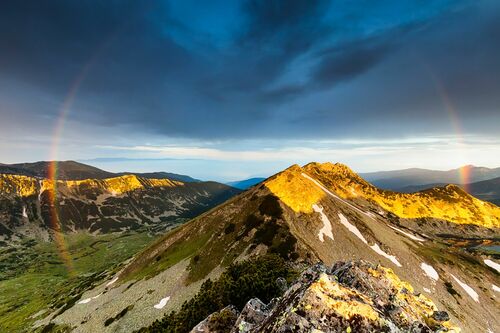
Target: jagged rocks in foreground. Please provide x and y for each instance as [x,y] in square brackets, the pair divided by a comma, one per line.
[349,297]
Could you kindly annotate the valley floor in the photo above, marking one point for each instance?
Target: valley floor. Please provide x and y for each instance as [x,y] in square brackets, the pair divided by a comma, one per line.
[34,279]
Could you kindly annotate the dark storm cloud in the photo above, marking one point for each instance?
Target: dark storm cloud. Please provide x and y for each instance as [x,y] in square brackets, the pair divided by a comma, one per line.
[287,65]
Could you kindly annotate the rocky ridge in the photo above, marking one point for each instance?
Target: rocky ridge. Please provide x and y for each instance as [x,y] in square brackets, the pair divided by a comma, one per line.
[353,296]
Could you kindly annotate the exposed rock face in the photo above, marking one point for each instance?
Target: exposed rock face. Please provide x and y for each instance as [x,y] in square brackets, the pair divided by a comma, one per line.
[349,297]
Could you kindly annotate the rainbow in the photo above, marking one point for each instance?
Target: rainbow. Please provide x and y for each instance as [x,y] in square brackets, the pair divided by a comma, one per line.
[53,174]
[463,171]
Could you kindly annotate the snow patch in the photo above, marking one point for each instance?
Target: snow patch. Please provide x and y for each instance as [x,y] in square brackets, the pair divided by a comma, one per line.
[327,226]
[162,303]
[427,290]
[377,249]
[352,228]
[471,292]
[112,281]
[408,234]
[492,264]
[495,288]
[25,214]
[87,300]
[429,271]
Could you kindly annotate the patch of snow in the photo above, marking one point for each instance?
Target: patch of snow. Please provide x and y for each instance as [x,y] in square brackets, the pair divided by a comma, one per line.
[86,300]
[427,290]
[429,271]
[25,214]
[377,249]
[162,303]
[408,234]
[352,228]
[492,264]
[112,281]
[471,292]
[327,226]
[495,288]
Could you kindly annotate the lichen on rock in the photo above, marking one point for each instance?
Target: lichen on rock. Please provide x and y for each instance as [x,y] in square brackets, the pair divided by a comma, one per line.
[349,297]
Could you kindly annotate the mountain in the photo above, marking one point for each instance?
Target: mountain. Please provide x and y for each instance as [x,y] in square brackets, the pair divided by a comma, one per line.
[487,190]
[246,184]
[442,241]
[164,175]
[67,170]
[397,179]
[28,204]
[71,170]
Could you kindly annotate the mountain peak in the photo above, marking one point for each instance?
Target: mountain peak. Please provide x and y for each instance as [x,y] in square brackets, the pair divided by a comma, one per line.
[302,188]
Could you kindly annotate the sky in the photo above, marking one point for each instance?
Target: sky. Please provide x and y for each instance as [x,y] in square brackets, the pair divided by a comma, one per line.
[227,90]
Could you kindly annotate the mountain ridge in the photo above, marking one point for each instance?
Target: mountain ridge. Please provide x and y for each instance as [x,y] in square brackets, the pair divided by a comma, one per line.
[108,204]
[348,185]
[72,170]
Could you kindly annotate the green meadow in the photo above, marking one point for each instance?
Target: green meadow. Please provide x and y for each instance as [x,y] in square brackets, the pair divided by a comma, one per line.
[35,281]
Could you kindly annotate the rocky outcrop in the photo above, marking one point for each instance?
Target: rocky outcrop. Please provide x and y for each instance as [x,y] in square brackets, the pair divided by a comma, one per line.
[349,297]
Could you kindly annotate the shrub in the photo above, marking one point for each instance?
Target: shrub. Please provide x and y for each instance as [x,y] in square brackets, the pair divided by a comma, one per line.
[241,281]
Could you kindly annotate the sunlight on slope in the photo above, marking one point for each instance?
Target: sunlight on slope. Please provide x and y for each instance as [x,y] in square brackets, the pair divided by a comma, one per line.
[25,186]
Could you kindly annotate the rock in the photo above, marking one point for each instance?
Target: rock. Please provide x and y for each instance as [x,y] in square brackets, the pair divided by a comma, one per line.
[351,297]
[282,284]
[441,316]
[218,322]
[252,315]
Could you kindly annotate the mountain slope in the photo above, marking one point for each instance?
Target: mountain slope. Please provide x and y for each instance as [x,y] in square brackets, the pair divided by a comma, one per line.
[397,179]
[100,205]
[317,212]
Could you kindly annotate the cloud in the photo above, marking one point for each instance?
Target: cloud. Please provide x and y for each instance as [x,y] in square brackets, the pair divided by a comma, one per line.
[276,70]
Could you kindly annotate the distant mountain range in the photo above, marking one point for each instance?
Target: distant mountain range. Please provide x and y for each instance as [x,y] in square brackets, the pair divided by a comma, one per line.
[487,190]
[439,240]
[246,183]
[398,179]
[71,170]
